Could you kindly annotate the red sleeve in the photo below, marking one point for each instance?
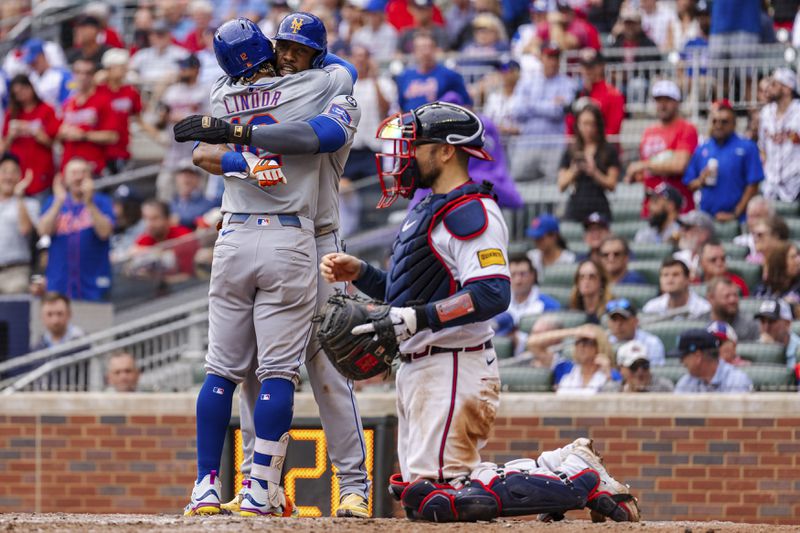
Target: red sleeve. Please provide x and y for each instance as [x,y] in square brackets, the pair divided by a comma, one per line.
[615,112]
[739,282]
[106,120]
[50,121]
[145,240]
[687,138]
[180,231]
[113,39]
[136,98]
[542,31]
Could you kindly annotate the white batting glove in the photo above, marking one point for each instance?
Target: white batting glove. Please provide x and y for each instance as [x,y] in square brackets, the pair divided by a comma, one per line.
[404,320]
[264,170]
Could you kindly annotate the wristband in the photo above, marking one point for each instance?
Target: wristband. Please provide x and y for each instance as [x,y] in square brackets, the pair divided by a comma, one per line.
[233,162]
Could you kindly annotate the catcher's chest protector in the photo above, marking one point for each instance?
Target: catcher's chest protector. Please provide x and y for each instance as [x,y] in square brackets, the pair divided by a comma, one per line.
[417,275]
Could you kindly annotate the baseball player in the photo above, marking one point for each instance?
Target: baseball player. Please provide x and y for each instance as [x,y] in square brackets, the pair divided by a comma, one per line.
[262,291]
[448,277]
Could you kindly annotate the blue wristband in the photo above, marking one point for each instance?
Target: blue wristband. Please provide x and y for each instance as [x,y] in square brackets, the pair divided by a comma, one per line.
[233,162]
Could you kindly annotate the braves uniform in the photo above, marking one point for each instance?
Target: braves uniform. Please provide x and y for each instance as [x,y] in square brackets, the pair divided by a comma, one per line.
[779,141]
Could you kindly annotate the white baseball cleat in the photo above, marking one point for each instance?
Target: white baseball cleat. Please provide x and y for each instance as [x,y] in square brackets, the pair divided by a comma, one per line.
[255,501]
[611,499]
[205,496]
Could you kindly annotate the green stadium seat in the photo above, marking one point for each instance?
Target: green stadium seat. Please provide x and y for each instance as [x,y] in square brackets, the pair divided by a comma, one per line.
[519,247]
[571,231]
[762,354]
[503,347]
[579,248]
[726,230]
[627,211]
[786,209]
[734,251]
[669,330]
[650,251]
[771,378]
[559,292]
[796,327]
[637,293]
[649,269]
[748,307]
[526,379]
[750,273]
[671,372]
[699,289]
[627,229]
[558,275]
[568,319]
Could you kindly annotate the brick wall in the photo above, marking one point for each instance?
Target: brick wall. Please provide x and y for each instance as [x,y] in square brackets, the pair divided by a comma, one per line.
[700,458]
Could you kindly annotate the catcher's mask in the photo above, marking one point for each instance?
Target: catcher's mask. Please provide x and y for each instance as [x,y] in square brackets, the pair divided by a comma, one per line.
[437,122]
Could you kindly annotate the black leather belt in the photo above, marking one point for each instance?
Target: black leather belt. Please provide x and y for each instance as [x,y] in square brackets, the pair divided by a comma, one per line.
[433,350]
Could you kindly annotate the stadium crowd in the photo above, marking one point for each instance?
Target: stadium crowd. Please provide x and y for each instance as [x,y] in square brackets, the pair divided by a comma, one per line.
[710,251]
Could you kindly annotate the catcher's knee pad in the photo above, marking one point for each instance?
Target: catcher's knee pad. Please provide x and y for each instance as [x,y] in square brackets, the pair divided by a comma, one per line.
[434,502]
[521,493]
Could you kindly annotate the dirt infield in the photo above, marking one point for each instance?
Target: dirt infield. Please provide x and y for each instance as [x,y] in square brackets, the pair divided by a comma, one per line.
[221,524]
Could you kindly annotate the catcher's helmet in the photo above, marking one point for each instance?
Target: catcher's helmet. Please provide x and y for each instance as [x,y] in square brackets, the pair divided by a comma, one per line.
[437,122]
[306,29]
[241,48]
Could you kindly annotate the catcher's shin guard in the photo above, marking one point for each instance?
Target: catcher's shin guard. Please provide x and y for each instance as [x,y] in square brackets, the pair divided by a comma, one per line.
[521,493]
[434,502]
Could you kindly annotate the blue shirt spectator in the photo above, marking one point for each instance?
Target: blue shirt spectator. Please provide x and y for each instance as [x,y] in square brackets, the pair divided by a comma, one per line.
[189,202]
[730,16]
[727,168]
[727,378]
[698,350]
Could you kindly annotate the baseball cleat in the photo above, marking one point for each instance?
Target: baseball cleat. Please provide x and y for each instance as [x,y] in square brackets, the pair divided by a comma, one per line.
[353,506]
[611,499]
[255,502]
[233,506]
[205,496]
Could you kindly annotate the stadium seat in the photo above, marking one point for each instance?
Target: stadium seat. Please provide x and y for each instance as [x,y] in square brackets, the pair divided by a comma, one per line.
[519,247]
[526,379]
[734,251]
[569,319]
[571,231]
[796,327]
[559,292]
[627,230]
[671,372]
[748,307]
[648,269]
[627,211]
[726,231]
[699,289]
[669,330]
[794,226]
[503,346]
[786,209]
[750,273]
[641,251]
[771,378]
[559,275]
[637,293]
[579,248]
[760,353]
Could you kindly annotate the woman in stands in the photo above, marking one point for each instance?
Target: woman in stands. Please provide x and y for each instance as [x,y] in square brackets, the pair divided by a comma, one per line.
[767,234]
[593,360]
[590,290]
[590,167]
[782,274]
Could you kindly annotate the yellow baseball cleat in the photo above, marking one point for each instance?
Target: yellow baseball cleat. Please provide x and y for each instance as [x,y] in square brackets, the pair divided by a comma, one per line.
[353,506]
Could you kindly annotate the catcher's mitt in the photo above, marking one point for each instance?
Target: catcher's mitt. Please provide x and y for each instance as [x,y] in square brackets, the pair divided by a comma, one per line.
[357,357]
[211,130]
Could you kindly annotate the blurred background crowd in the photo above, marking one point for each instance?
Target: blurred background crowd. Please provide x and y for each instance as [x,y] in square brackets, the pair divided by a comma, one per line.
[646,155]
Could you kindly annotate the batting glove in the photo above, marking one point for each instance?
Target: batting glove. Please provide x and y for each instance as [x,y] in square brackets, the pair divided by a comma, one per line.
[267,172]
[211,130]
[404,320]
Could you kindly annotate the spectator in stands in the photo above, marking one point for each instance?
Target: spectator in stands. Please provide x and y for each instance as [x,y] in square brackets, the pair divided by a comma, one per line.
[758,209]
[79,222]
[52,83]
[176,257]
[15,61]
[427,80]
[18,217]
[28,131]
[497,96]
[159,61]
[775,321]
[767,234]
[525,296]
[545,342]
[202,13]
[88,126]
[376,35]
[596,229]
[129,224]
[662,222]
[666,147]
[593,359]
[697,228]
[727,343]
[779,137]
[122,374]
[108,35]
[634,365]
[615,256]
[539,105]
[174,15]
[781,274]
[56,314]
[488,39]
[422,11]
[375,95]
[723,296]
[567,30]
[86,42]
[623,326]
[143,19]
[713,263]
[590,290]
[754,113]
[189,202]
[699,353]
[632,37]
[685,26]
[525,45]
[695,50]
[676,300]
[551,249]
[657,18]
[735,28]
[589,167]
[181,99]
[126,105]
[600,92]
[458,16]
[726,168]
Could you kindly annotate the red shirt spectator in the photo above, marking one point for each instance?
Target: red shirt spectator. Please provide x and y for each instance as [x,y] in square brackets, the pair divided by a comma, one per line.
[111,38]
[28,131]
[603,94]
[157,229]
[125,102]
[399,16]
[567,30]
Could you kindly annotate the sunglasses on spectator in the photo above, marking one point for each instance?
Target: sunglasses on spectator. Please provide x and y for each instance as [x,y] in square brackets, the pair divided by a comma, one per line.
[619,304]
[722,121]
[640,365]
[613,253]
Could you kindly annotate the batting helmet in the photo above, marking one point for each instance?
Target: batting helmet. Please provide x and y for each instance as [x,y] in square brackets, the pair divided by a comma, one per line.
[241,48]
[305,29]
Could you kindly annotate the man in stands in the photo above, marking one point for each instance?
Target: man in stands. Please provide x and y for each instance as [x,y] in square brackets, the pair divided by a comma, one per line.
[177,256]
[545,348]
[779,137]
[18,216]
[86,45]
[122,374]
[697,228]
[615,256]
[52,84]
[189,203]
[699,353]
[666,147]
[422,11]
[56,313]
[677,301]
[634,365]
[665,208]
[623,326]
[713,263]
[567,30]
[604,95]
[596,230]
[525,296]
[723,295]
[726,168]
[775,321]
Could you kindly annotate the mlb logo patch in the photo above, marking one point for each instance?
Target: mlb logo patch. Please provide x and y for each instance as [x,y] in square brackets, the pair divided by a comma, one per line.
[262,222]
[341,113]
[265,397]
[218,390]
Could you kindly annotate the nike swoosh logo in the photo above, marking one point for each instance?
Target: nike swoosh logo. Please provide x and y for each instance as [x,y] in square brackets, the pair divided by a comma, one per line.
[226,231]
[409,225]
[490,361]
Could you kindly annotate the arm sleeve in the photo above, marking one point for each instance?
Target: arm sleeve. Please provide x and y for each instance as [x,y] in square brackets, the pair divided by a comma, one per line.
[488,297]
[688,139]
[755,170]
[372,282]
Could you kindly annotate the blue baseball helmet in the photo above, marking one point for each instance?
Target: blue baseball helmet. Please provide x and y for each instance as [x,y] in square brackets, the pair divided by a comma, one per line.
[306,29]
[241,48]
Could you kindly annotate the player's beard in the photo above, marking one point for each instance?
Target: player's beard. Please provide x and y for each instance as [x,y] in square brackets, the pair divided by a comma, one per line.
[428,174]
